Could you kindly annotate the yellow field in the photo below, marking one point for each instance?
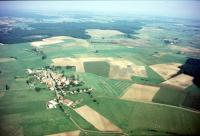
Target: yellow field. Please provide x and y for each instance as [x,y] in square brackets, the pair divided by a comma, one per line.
[182,81]
[96,119]
[98,33]
[71,133]
[166,70]
[6,59]
[60,39]
[140,92]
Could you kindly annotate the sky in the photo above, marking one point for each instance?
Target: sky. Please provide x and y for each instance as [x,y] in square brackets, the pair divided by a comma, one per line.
[177,8]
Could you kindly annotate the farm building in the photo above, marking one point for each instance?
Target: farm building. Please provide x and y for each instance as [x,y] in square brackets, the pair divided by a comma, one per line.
[51,104]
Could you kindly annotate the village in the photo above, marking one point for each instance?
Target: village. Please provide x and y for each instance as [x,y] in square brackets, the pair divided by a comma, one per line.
[60,84]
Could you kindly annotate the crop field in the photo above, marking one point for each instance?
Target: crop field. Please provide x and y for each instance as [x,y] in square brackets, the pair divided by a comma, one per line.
[170,95]
[191,100]
[100,68]
[97,120]
[148,117]
[71,133]
[105,86]
[152,77]
[140,92]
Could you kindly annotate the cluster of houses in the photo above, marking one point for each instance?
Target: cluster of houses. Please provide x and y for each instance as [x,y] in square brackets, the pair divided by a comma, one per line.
[171,41]
[54,103]
[59,83]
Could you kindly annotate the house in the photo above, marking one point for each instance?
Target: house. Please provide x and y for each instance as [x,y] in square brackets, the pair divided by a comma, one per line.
[29,71]
[67,82]
[51,104]
[75,82]
[67,102]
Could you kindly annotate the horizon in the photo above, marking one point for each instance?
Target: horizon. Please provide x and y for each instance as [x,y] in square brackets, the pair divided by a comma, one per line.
[174,9]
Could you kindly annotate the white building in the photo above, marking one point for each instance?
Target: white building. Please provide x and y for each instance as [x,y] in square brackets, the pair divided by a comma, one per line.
[51,104]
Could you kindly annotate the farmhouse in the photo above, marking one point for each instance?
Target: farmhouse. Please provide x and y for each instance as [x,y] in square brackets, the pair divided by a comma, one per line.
[67,102]
[51,104]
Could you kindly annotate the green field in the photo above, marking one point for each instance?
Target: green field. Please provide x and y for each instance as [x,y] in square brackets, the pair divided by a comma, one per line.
[170,96]
[23,110]
[135,117]
[105,86]
[100,68]
[153,77]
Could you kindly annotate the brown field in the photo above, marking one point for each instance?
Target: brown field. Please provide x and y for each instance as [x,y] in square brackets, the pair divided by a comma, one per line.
[187,50]
[139,71]
[166,70]
[96,119]
[119,73]
[69,62]
[6,59]
[140,92]
[98,33]
[47,41]
[182,81]
[125,70]
[119,69]
[71,133]
[1,93]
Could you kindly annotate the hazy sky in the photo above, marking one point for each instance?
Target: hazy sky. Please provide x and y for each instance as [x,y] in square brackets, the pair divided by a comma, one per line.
[178,8]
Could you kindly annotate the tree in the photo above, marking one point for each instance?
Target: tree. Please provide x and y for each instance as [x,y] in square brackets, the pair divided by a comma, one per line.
[44,56]
[37,89]
[7,87]
[27,81]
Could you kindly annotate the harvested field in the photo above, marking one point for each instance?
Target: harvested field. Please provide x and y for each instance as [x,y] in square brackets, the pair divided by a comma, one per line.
[139,71]
[182,81]
[126,71]
[119,68]
[96,119]
[98,33]
[6,59]
[71,133]
[61,39]
[140,92]
[77,62]
[166,70]
[187,50]
[69,62]
[47,41]
[144,37]
[119,73]
[1,93]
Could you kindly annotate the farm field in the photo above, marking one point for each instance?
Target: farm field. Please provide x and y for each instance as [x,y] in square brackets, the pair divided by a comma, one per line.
[95,77]
[100,68]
